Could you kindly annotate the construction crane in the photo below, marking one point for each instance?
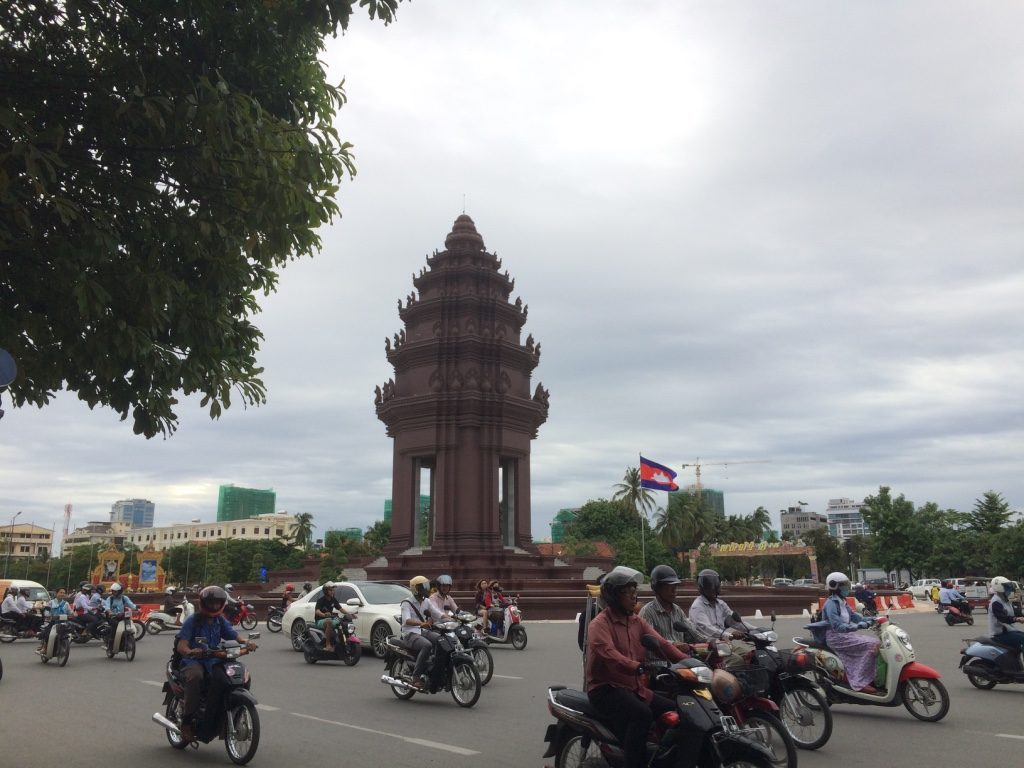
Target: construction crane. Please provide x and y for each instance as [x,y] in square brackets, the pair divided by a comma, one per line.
[698,464]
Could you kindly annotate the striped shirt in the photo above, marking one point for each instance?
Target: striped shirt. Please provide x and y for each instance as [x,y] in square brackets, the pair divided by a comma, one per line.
[662,620]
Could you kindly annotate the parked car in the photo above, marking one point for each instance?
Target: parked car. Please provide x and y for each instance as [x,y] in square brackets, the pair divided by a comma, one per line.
[922,588]
[782,582]
[811,583]
[378,618]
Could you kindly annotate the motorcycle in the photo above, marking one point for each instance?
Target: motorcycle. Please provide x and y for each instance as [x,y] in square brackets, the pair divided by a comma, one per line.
[449,667]
[9,631]
[82,632]
[474,645]
[234,718]
[58,643]
[275,614]
[503,625]
[348,648]
[906,681]
[243,614]
[955,615]
[776,696]
[987,662]
[158,621]
[695,733]
[122,636]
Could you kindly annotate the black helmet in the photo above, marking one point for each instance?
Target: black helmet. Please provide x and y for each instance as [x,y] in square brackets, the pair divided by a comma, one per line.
[84,585]
[618,578]
[212,600]
[709,583]
[663,574]
[100,588]
[308,587]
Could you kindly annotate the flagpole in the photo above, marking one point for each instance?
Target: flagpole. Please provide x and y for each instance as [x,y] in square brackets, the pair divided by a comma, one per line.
[643,542]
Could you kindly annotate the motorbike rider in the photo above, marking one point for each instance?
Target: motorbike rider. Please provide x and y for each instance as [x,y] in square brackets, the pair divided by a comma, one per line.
[482,603]
[714,617]
[172,606]
[1001,617]
[418,617]
[288,596]
[209,623]
[950,595]
[306,589]
[84,612]
[58,607]
[442,599]
[113,608]
[662,612]
[10,610]
[31,620]
[866,596]
[233,606]
[326,619]
[859,653]
[616,682]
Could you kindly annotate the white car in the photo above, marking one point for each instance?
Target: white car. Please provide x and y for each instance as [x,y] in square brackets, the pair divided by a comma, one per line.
[922,588]
[379,611]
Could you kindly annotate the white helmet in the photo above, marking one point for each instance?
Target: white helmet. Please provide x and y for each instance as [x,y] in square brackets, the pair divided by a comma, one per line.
[835,579]
[170,590]
[229,587]
[1001,586]
[116,587]
[329,585]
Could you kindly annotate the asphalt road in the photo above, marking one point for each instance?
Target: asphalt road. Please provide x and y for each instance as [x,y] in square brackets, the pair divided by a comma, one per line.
[99,710]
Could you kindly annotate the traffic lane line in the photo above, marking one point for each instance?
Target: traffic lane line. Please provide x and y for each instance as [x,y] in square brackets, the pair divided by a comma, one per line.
[411,740]
[507,677]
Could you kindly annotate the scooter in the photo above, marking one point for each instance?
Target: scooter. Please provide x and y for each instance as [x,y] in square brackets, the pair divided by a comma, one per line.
[275,614]
[348,648]
[243,614]
[987,662]
[58,643]
[158,621]
[504,624]
[907,682]
[234,718]
[9,631]
[474,645]
[449,669]
[955,615]
[82,633]
[122,638]
[696,728]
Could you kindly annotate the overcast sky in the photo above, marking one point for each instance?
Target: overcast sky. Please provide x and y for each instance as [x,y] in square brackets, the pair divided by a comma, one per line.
[784,233]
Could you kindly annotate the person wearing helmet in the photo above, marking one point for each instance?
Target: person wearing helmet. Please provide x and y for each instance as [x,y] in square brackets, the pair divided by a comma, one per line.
[232,606]
[30,619]
[96,599]
[306,589]
[614,671]
[326,618]
[714,618]
[418,616]
[113,608]
[866,596]
[662,612]
[288,596]
[1001,616]
[209,623]
[859,653]
[172,605]
[442,599]
[949,595]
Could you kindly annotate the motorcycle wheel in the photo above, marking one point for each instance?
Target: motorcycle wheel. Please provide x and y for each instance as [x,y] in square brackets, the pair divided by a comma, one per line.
[352,656]
[274,622]
[401,691]
[574,755]
[109,650]
[7,637]
[243,733]
[983,683]
[777,738]
[298,627]
[129,646]
[63,650]
[140,629]
[465,681]
[154,626]
[379,635]
[172,714]
[807,717]
[249,623]
[309,654]
[484,662]
[518,637]
[43,657]
[970,621]
[925,698]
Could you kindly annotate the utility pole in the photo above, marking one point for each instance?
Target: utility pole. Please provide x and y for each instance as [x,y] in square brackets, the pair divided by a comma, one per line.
[10,542]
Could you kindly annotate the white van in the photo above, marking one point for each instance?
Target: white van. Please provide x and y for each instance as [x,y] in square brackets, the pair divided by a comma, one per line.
[37,593]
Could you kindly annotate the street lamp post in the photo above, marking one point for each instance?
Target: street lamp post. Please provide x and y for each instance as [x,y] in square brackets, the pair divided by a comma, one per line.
[10,543]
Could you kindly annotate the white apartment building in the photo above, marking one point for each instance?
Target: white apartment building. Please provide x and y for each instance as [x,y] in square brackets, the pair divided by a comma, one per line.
[845,518]
[798,521]
[277,526]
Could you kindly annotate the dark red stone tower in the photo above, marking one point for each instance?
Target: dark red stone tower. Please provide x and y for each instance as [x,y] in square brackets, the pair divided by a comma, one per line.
[460,408]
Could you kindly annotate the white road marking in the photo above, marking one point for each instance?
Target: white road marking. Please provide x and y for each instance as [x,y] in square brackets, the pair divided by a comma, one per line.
[1009,736]
[268,708]
[152,682]
[420,742]
[507,677]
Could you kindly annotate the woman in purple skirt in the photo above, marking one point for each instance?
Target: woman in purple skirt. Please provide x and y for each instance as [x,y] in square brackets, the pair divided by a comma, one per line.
[858,653]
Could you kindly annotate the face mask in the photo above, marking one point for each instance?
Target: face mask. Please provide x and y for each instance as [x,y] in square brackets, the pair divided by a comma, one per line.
[844,591]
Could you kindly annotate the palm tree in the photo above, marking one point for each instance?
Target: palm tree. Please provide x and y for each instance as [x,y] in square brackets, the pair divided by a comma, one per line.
[683,524]
[762,522]
[633,495]
[302,530]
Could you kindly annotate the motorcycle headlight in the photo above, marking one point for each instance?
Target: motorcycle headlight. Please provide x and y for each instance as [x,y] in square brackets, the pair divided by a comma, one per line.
[903,637]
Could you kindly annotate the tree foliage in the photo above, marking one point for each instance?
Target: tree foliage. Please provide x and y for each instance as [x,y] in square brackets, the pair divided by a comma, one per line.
[159,164]
[301,532]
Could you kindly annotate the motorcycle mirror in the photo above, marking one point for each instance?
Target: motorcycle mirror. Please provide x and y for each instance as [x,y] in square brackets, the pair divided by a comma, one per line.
[252,636]
[736,616]
[774,617]
[650,642]
[678,626]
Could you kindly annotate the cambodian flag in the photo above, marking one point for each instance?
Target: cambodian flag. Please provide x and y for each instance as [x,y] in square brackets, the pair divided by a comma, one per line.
[656,476]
